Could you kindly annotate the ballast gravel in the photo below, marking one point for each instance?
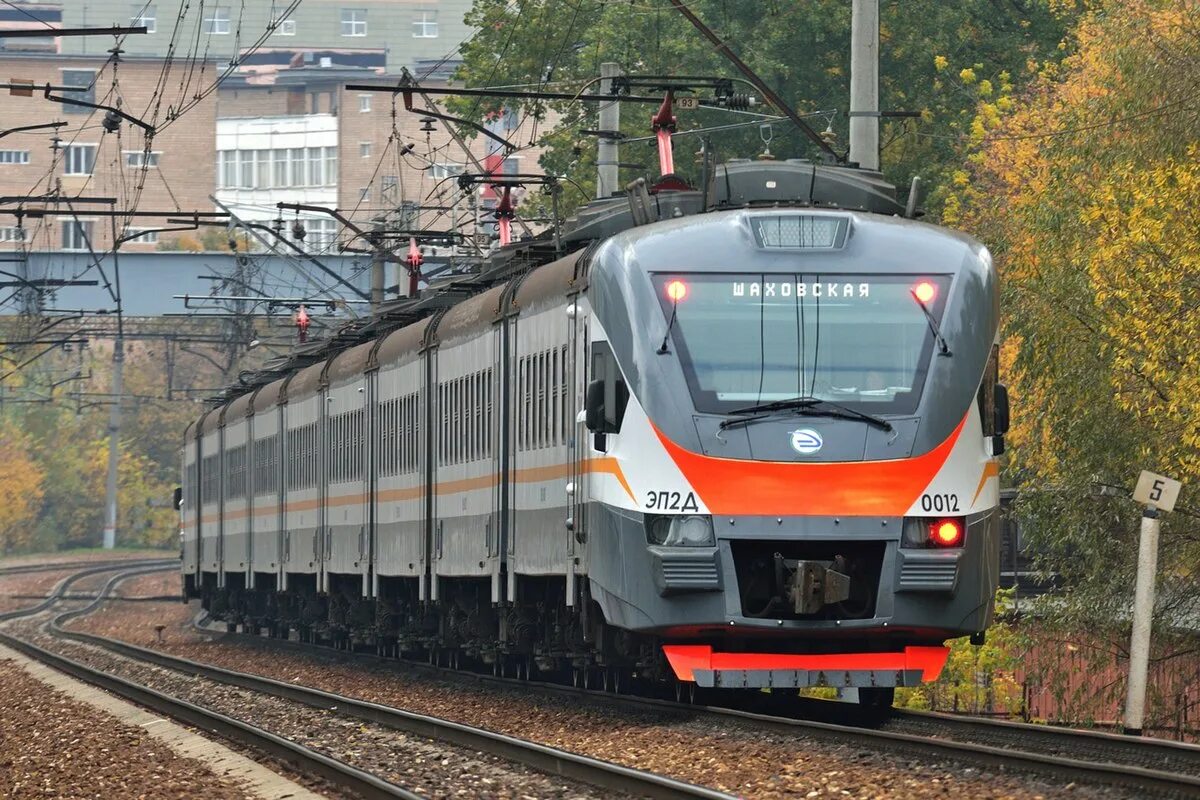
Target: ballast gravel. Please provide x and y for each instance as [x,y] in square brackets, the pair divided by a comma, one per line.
[53,746]
[733,757]
[428,768]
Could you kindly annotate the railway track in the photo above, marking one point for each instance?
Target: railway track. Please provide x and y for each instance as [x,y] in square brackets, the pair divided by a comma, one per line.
[24,569]
[603,775]
[1144,765]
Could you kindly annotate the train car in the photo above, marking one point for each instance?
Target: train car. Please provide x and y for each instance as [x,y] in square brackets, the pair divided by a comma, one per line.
[752,442]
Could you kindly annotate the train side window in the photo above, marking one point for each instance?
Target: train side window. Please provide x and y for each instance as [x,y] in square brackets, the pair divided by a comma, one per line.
[607,394]
[987,392]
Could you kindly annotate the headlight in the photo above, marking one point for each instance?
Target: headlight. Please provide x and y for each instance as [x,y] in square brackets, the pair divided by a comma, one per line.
[933,532]
[681,531]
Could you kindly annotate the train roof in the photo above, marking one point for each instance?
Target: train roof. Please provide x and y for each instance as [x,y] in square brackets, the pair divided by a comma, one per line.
[471,298]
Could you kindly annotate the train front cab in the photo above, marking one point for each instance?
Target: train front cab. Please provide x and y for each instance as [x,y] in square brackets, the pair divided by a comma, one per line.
[806,557]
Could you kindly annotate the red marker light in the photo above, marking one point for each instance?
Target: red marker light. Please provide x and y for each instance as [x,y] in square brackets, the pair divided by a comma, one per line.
[676,290]
[946,533]
[925,292]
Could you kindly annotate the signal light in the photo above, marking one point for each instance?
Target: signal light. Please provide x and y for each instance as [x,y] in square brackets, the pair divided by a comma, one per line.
[925,292]
[676,290]
[946,533]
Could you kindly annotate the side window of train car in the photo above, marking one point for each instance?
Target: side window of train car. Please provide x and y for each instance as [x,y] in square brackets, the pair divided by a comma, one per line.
[606,397]
[993,403]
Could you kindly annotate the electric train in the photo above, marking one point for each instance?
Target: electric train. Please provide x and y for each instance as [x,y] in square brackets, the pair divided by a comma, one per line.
[740,437]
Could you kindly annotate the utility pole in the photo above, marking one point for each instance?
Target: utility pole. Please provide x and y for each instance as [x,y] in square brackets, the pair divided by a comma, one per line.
[1156,493]
[114,419]
[608,151]
[864,83]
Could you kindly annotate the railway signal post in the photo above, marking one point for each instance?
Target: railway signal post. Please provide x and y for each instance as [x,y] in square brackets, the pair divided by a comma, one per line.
[1156,493]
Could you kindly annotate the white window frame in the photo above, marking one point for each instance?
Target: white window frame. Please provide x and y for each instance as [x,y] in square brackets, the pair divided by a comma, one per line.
[425,24]
[69,158]
[145,16]
[135,159]
[82,245]
[219,23]
[364,103]
[13,233]
[15,157]
[364,149]
[352,23]
[285,27]
[141,239]
[442,170]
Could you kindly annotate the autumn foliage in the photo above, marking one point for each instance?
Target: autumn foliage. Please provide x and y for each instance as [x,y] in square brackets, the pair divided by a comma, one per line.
[21,490]
[1087,188]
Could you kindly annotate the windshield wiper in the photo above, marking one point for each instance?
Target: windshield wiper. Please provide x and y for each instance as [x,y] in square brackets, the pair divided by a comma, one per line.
[943,348]
[806,406]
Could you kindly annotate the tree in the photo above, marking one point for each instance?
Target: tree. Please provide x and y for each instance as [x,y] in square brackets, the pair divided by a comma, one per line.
[20,489]
[800,49]
[1087,193]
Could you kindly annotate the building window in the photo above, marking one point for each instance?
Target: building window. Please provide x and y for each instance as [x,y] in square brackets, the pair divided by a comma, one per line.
[76,234]
[141,236]
[321,233]
[246,169]
[79,159]
[277,169]
[217,20]
[85,79]
[280,158]
[442,171]
[364,149]
[316,167]
[285,27]
[227,164]
[425,25]
[144,15]
[354,22]
[511,165]
[364,103]
[363,194]
[140,158]
[387,190]
[14,156]
[12,234]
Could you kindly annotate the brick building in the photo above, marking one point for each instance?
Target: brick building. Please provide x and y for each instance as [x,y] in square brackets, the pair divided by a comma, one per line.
[284,130]
[405,32]
[84,158]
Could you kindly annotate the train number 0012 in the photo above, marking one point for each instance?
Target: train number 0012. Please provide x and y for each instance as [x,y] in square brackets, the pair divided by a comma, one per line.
[940,503]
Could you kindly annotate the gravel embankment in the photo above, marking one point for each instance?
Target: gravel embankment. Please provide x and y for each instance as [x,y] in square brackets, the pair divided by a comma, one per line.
[429,768]
[732,757]
[53,746]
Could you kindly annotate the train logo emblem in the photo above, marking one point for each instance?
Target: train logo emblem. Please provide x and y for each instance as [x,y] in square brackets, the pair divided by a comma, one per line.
[806,441]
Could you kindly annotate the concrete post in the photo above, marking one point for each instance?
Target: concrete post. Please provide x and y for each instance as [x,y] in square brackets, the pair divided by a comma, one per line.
[1143,610]
[608,153]
[864,83]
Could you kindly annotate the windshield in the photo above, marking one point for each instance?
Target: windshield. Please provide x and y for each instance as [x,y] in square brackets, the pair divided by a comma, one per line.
[859,340]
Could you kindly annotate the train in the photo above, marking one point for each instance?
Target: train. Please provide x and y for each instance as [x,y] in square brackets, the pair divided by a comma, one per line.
[740,436]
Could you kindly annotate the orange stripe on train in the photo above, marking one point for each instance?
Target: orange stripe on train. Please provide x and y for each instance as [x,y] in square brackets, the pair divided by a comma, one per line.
[846,488]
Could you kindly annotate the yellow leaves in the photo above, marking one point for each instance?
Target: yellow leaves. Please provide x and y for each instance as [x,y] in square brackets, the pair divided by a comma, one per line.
[967,75]
[940,63]
[960,177]
[985,88]
[20,488]
[1004,104]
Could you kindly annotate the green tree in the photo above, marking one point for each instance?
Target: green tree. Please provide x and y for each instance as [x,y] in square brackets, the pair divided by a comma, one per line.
[800,49]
